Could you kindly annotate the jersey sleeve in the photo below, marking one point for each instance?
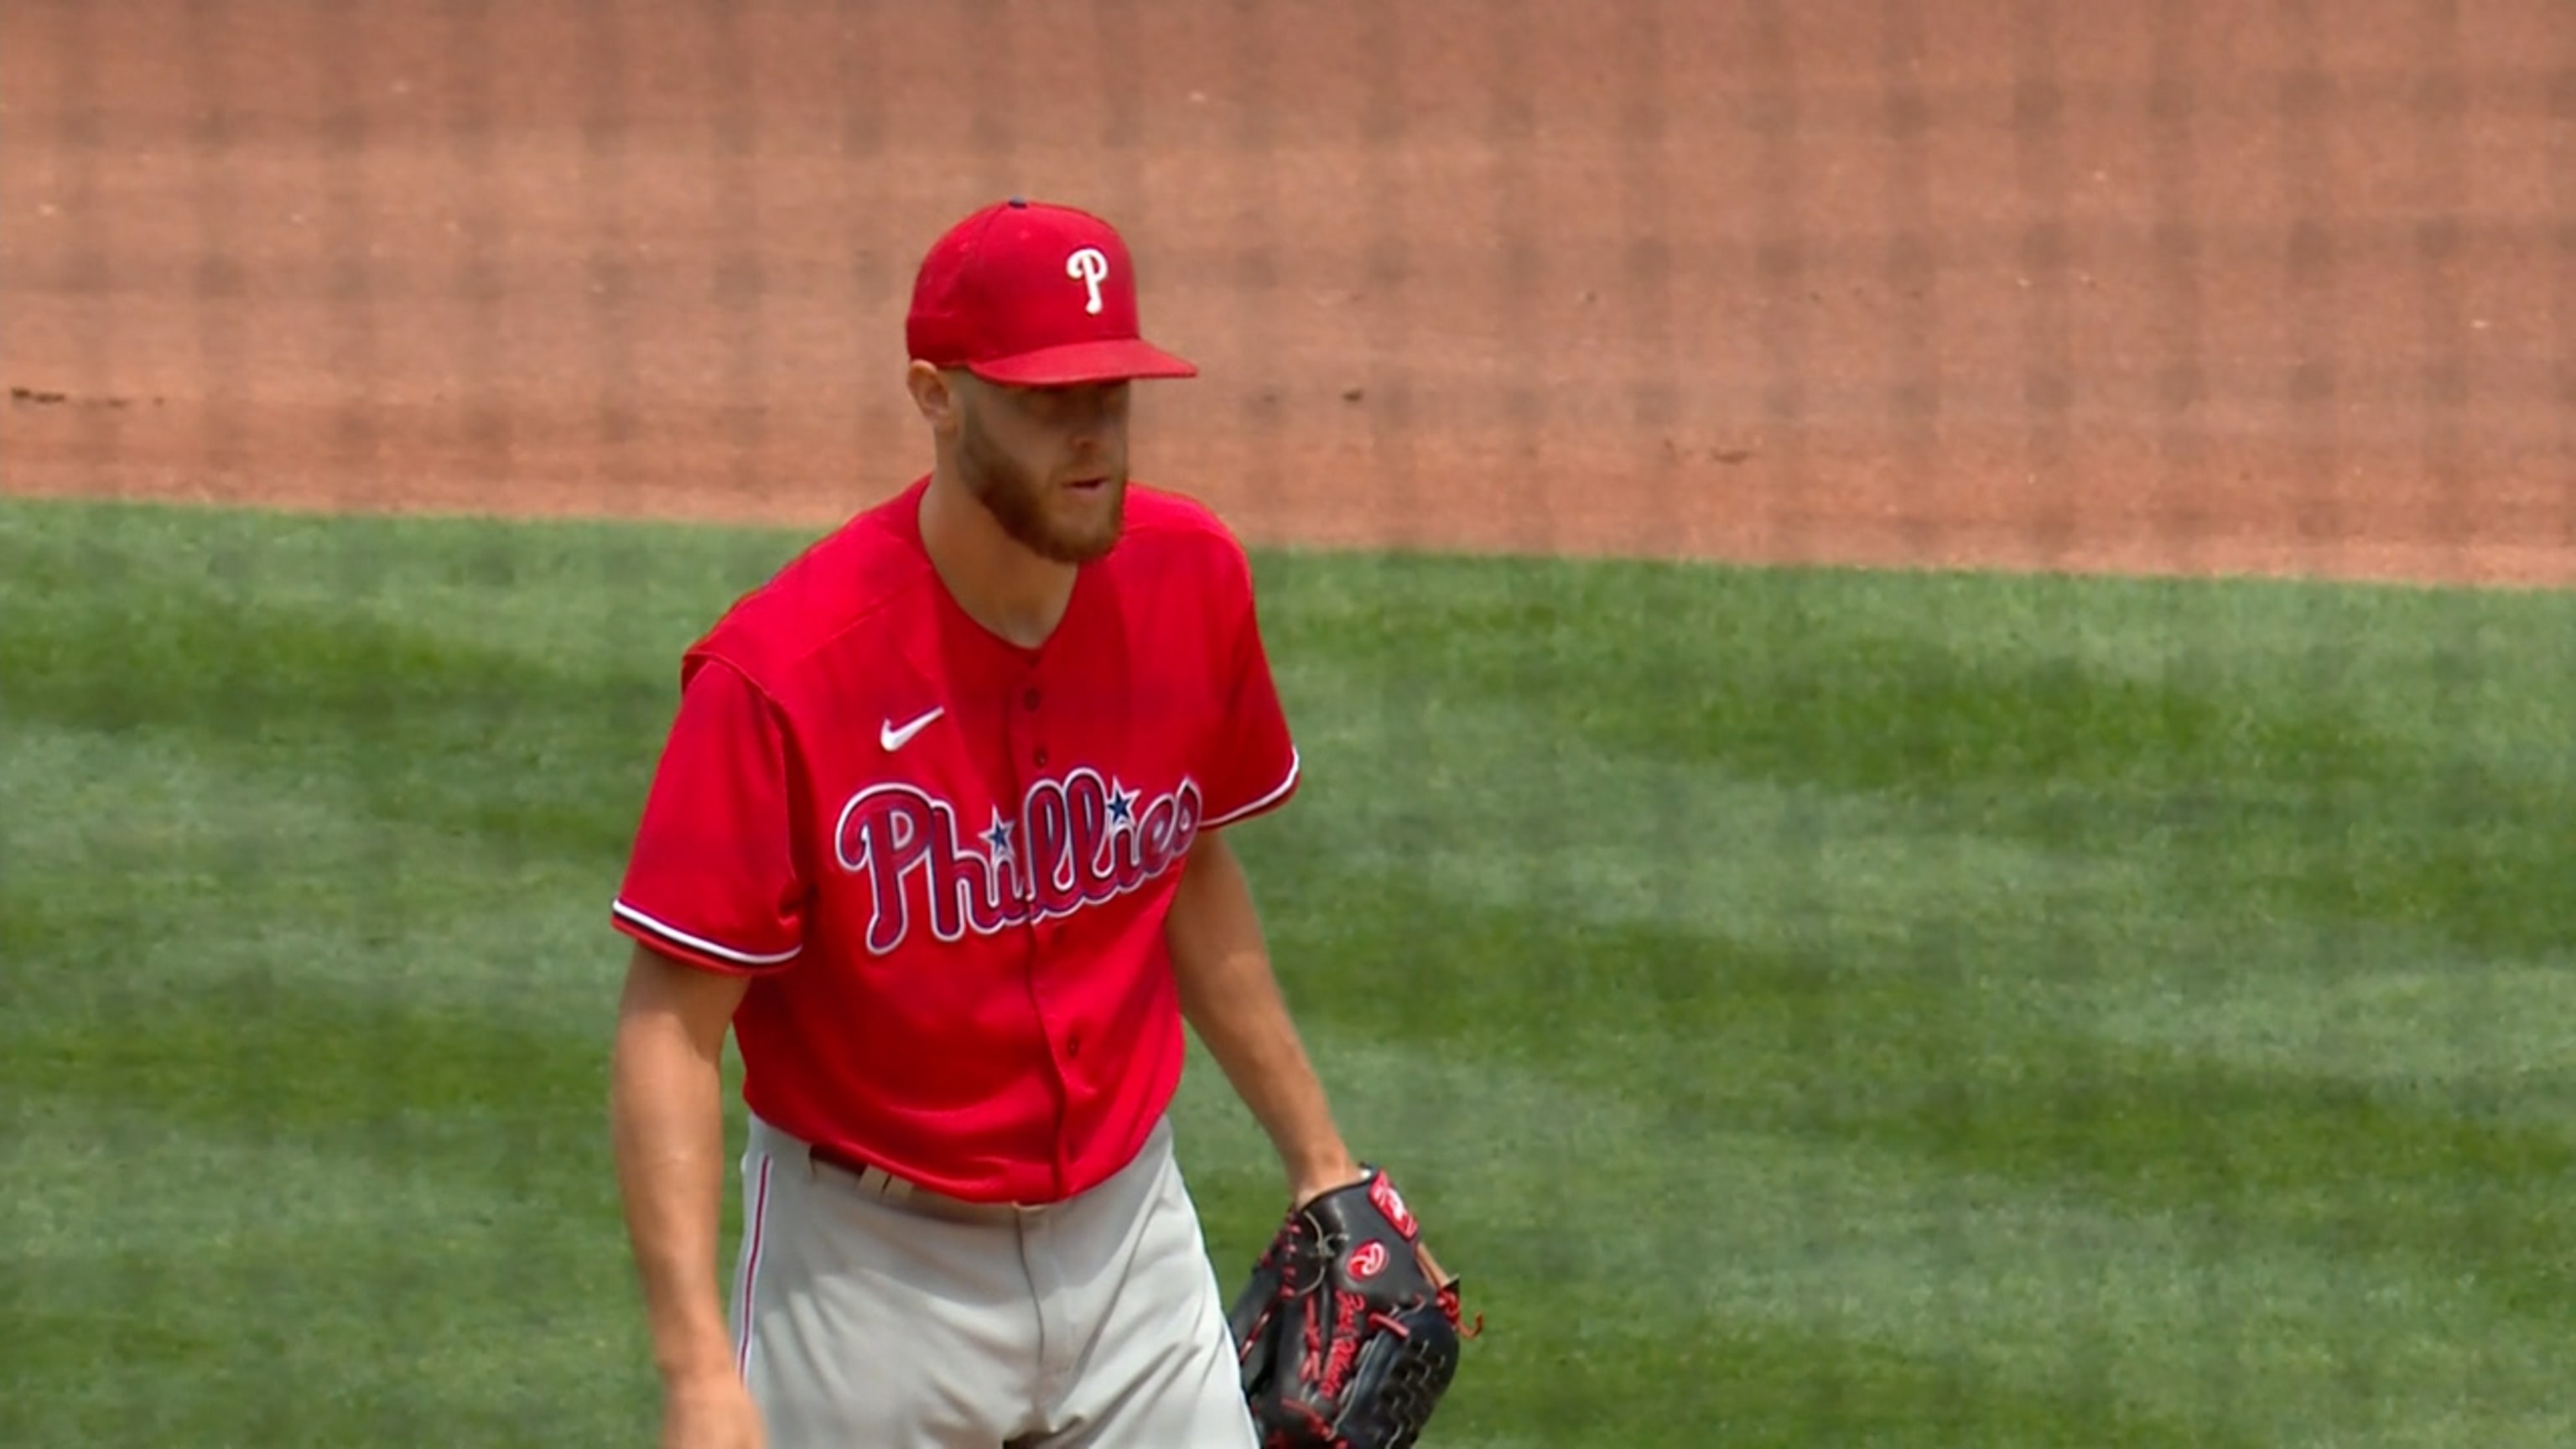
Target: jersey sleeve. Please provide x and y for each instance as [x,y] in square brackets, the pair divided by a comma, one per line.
[1253,766]
[714,879]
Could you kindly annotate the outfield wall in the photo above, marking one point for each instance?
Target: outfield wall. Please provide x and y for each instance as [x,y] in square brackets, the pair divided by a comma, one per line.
[2176,285]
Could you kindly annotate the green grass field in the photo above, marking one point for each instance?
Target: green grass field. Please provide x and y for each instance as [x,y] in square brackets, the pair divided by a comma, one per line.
[1813,1008]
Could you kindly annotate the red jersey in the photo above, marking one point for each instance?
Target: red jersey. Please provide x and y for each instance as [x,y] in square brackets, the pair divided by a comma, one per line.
[945,860]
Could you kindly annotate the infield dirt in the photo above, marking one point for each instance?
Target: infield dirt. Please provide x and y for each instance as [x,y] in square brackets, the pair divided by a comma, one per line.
[2173,287]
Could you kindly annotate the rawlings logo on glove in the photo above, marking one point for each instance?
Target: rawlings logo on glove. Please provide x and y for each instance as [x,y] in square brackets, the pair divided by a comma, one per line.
[1348,1333]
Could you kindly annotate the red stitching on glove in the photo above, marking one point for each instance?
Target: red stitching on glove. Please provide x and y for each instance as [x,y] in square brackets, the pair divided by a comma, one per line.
[1449,1304]
[1346,1345]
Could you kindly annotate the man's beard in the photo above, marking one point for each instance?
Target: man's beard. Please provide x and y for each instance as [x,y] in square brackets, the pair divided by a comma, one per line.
[1017,499]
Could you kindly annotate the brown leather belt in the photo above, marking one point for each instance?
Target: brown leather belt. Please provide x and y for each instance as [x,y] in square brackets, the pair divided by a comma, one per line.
[910,1196]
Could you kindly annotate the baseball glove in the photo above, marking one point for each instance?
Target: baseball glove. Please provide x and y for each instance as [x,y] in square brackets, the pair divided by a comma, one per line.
[1348,1332]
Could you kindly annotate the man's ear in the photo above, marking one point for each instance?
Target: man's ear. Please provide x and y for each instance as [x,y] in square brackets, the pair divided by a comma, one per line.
[935,395]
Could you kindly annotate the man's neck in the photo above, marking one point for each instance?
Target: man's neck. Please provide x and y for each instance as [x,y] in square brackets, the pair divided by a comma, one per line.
[1016,594]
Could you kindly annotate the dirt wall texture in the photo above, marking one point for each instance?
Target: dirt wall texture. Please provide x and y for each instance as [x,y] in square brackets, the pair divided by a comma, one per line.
[2175,286]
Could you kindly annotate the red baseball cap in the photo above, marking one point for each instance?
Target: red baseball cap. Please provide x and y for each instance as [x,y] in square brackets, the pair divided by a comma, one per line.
[1027,294]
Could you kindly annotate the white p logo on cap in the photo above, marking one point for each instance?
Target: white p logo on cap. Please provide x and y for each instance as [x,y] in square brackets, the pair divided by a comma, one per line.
[1093,268]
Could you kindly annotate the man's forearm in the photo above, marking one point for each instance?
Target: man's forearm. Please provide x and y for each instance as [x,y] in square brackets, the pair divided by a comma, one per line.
[667,1111]
[1231,998]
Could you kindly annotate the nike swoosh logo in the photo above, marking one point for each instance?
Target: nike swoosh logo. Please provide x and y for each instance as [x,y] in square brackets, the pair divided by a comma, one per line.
[894,738]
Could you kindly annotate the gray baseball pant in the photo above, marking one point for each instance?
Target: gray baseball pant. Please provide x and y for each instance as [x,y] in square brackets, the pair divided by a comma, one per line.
[869,1312]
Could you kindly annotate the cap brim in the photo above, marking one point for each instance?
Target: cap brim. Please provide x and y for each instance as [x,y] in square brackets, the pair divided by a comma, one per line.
[1112,360]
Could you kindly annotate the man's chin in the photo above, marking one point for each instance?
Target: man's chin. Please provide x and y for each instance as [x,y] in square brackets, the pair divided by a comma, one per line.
[1065,541]
[1098,517]
[1080,546]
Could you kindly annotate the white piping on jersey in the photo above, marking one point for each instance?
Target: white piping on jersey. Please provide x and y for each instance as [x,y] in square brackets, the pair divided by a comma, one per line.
[1264,803]
[674,933]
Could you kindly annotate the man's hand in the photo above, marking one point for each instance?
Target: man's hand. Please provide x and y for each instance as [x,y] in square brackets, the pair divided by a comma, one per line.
[710,1411]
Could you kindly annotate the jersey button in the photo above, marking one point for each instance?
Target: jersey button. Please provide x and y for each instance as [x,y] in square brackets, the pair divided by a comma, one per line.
[1040,756]
[1073,1046]
[1030,699]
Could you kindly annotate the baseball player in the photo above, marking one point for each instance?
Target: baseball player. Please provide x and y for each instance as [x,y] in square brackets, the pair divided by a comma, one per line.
[938,832]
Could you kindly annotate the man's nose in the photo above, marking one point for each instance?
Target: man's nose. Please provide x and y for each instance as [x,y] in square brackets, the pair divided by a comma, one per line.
[1093,419]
